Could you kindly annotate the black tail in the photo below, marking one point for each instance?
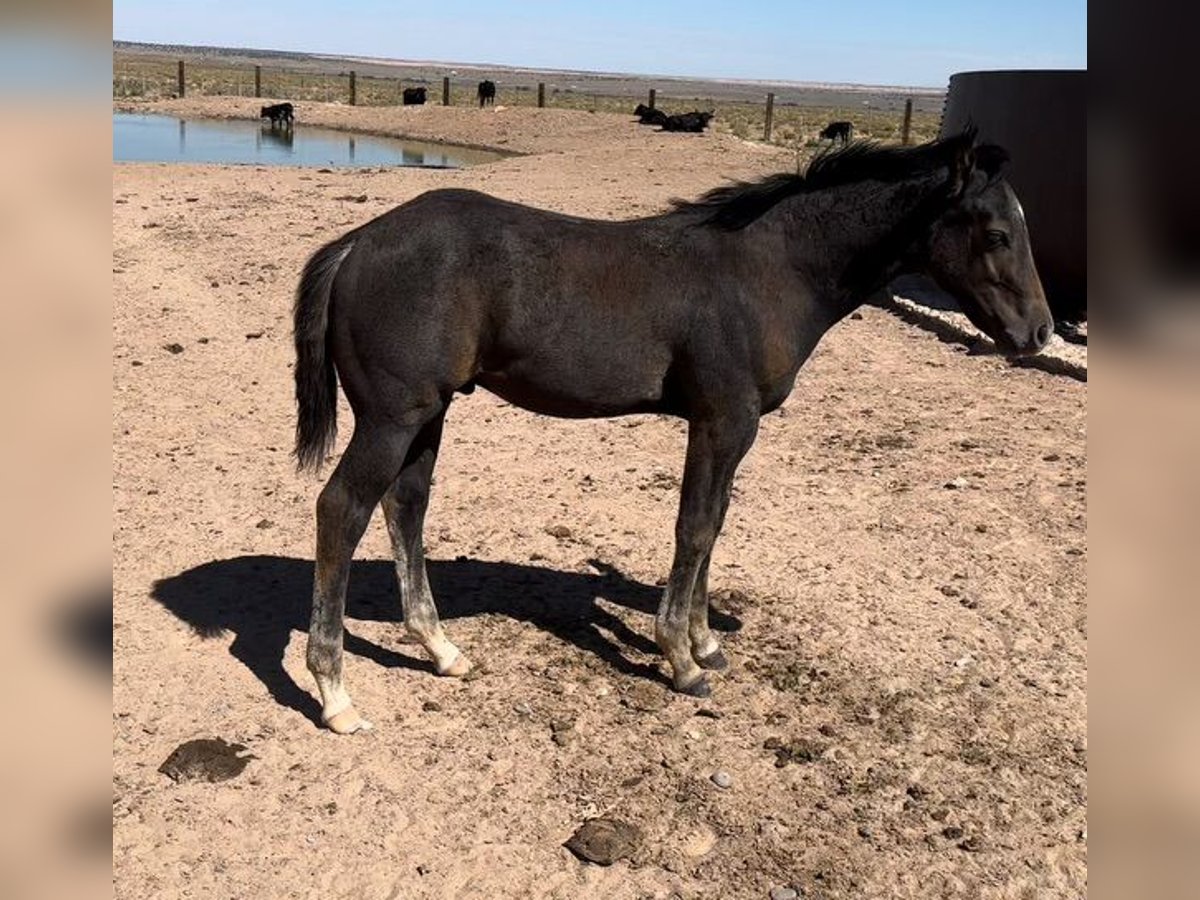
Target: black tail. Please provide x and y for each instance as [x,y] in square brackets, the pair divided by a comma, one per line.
[316,380]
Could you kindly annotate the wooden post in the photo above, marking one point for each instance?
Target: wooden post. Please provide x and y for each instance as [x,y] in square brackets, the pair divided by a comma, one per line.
[541,95]
[906,128]
[182,84]
[770,117]
[258,81]
[446,90]
[651,103]
[353,88]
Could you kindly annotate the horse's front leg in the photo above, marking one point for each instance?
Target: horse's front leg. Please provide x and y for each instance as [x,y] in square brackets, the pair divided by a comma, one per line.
[715,447]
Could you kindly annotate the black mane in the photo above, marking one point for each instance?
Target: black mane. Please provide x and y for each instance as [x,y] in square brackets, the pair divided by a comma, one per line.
[734,206]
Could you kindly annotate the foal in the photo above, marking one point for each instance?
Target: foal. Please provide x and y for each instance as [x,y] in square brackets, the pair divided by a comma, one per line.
[705,312]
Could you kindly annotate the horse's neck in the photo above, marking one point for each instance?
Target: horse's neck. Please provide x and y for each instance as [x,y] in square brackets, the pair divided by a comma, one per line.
[848,241]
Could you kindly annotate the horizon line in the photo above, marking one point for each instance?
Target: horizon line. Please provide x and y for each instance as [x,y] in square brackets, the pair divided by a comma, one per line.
[384,60]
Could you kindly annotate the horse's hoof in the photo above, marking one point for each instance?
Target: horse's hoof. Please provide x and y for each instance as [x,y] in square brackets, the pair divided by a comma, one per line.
[714,662]
[348,721]
[457,669]
[698,688]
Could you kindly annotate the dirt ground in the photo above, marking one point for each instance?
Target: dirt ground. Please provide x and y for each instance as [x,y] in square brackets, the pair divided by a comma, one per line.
[901,580]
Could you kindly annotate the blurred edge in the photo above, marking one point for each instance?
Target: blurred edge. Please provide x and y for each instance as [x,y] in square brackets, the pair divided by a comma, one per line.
[1144,277]
[55,360]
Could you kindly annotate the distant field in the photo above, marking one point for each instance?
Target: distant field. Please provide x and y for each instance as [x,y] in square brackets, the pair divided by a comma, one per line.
[800,111]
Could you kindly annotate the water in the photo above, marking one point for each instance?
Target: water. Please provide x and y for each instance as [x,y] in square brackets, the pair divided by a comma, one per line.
[154,138]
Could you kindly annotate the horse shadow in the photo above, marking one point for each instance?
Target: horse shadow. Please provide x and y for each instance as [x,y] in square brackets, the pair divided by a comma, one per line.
[263,599]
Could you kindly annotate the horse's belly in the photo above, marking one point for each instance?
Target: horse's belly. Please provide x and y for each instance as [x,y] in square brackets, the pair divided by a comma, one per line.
[581,398]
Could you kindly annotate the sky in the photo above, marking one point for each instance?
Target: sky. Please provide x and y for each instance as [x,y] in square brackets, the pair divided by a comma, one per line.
[914,43]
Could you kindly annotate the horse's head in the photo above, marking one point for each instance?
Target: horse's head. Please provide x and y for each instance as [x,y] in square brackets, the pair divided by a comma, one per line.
[979,252]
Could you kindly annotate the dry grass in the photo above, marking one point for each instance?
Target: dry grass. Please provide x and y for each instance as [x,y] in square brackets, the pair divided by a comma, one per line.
[152,77]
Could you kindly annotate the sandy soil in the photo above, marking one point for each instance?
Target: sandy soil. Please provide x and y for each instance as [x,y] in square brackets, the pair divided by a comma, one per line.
[901,577]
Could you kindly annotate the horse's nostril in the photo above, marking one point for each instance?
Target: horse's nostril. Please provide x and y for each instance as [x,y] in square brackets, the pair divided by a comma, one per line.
[1043,335]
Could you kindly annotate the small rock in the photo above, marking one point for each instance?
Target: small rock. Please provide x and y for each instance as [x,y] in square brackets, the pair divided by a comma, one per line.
[722,779]
[1051,457]
[173,348]
[783,893]
[956,484]
[254,335]
[972,844]
[856,316]
[264,524]
[562,532]
[523,709]
[952,832]
[431,706]
[706,713]
[949,590]
[864,832]
[604,841]
[868,716]
[562,731]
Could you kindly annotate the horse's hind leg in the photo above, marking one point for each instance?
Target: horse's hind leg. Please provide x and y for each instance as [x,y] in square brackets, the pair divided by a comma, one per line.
[706,650]
[367,468]
[404,506]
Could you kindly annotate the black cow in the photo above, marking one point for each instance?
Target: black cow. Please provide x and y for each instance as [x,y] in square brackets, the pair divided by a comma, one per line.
[649,116]
[278,113]
[414,96]
[486,93]
[836,131]
[695,121]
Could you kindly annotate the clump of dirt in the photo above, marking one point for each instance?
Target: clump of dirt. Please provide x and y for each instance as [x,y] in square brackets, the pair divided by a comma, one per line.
[604,841]
[206,759]
[796,750]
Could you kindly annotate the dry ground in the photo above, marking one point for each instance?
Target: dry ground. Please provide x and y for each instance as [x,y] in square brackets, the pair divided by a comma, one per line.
[918,649]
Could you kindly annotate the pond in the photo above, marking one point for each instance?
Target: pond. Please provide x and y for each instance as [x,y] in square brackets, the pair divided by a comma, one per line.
[139,137]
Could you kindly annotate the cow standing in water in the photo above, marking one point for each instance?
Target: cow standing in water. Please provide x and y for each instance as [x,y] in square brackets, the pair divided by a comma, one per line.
[486,93]
[278,113]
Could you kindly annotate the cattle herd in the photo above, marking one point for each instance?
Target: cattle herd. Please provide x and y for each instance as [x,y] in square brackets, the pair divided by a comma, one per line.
[694,121]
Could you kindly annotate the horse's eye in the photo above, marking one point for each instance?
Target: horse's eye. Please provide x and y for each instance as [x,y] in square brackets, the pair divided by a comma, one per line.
[996,239]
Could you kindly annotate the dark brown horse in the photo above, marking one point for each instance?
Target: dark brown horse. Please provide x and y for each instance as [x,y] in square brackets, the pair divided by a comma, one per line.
[705,312]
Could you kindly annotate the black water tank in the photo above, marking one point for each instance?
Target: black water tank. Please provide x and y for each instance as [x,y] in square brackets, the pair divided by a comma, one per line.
[1040,118]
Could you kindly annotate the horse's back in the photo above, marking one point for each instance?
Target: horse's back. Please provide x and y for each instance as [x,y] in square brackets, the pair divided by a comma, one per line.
[471,288]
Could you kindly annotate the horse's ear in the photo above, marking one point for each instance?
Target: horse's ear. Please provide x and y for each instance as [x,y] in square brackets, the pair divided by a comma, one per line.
[962,163]
[990,159]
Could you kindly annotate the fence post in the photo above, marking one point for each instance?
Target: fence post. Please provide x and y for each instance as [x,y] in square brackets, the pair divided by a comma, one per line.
[445,90]
[770,117]
[353,88]
[907,126]
[651,103]
[258,81]
[182,84]
[541,94]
